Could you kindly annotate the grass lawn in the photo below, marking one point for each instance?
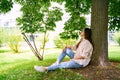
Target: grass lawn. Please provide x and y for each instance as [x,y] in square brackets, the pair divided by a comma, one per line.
[20,66]
[114,53]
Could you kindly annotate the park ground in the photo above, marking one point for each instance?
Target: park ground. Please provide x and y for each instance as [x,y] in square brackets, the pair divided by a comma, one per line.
[20,67]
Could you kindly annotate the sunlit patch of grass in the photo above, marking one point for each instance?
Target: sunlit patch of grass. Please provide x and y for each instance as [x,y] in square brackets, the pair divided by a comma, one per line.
[114,53]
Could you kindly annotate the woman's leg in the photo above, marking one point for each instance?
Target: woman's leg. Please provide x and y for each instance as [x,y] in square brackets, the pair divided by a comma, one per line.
[68,64]
[67,52]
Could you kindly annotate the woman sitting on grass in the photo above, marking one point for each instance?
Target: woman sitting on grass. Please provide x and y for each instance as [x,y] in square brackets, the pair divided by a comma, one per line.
[79,59]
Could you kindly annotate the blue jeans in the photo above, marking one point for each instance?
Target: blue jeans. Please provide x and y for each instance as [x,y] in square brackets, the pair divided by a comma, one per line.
[67,64]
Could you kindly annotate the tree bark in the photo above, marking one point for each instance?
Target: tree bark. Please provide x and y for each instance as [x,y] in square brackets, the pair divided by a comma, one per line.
[99,26]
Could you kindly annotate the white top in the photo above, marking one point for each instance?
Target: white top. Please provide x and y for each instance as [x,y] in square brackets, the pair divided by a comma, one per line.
[85,50]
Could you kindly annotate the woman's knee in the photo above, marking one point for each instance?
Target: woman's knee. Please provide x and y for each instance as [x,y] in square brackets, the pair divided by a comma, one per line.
[68,50]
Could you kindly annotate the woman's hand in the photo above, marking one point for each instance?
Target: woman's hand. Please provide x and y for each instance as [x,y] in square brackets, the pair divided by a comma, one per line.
[63,50]
[66,47]
[78,57]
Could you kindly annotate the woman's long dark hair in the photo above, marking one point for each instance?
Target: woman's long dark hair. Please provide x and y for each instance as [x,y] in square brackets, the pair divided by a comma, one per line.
[88,34]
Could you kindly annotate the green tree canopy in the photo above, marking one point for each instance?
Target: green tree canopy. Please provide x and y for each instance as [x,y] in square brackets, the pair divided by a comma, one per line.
[37,17]
[5,5]
[77,21]
[114,15]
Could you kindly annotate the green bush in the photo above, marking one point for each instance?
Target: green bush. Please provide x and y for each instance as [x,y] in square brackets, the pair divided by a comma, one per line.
[14,42]
[41,39]
[2,36]
[61,43]
[116,37]
[0,43]
[14,38]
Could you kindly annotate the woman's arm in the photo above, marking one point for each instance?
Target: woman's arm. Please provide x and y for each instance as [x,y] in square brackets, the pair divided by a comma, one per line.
[78,57]
[86,52]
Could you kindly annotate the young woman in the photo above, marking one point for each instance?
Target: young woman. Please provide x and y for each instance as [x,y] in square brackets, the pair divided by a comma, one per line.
[80,58]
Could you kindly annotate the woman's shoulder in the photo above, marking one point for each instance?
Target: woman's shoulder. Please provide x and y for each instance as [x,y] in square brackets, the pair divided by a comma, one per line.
[87,42]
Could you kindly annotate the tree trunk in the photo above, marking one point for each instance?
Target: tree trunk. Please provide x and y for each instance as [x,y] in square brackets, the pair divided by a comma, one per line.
[99,26]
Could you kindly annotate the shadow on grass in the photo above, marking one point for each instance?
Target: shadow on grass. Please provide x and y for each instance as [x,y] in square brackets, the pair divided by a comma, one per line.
[24,70]
[114,59]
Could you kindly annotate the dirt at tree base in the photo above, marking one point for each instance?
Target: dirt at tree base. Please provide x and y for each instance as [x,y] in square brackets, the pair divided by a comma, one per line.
[112,72]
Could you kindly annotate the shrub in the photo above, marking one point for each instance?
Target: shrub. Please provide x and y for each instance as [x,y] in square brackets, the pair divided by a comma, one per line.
[14,38]
[14,42]
[60,43]
[2,36]
[116,37]
[42,41]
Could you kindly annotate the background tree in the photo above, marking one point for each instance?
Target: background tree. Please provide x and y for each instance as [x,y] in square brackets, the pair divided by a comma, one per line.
[114,15]
[37,18]
[5,5]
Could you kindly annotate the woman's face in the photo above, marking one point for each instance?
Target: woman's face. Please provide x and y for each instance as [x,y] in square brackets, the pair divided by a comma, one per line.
[82,33]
